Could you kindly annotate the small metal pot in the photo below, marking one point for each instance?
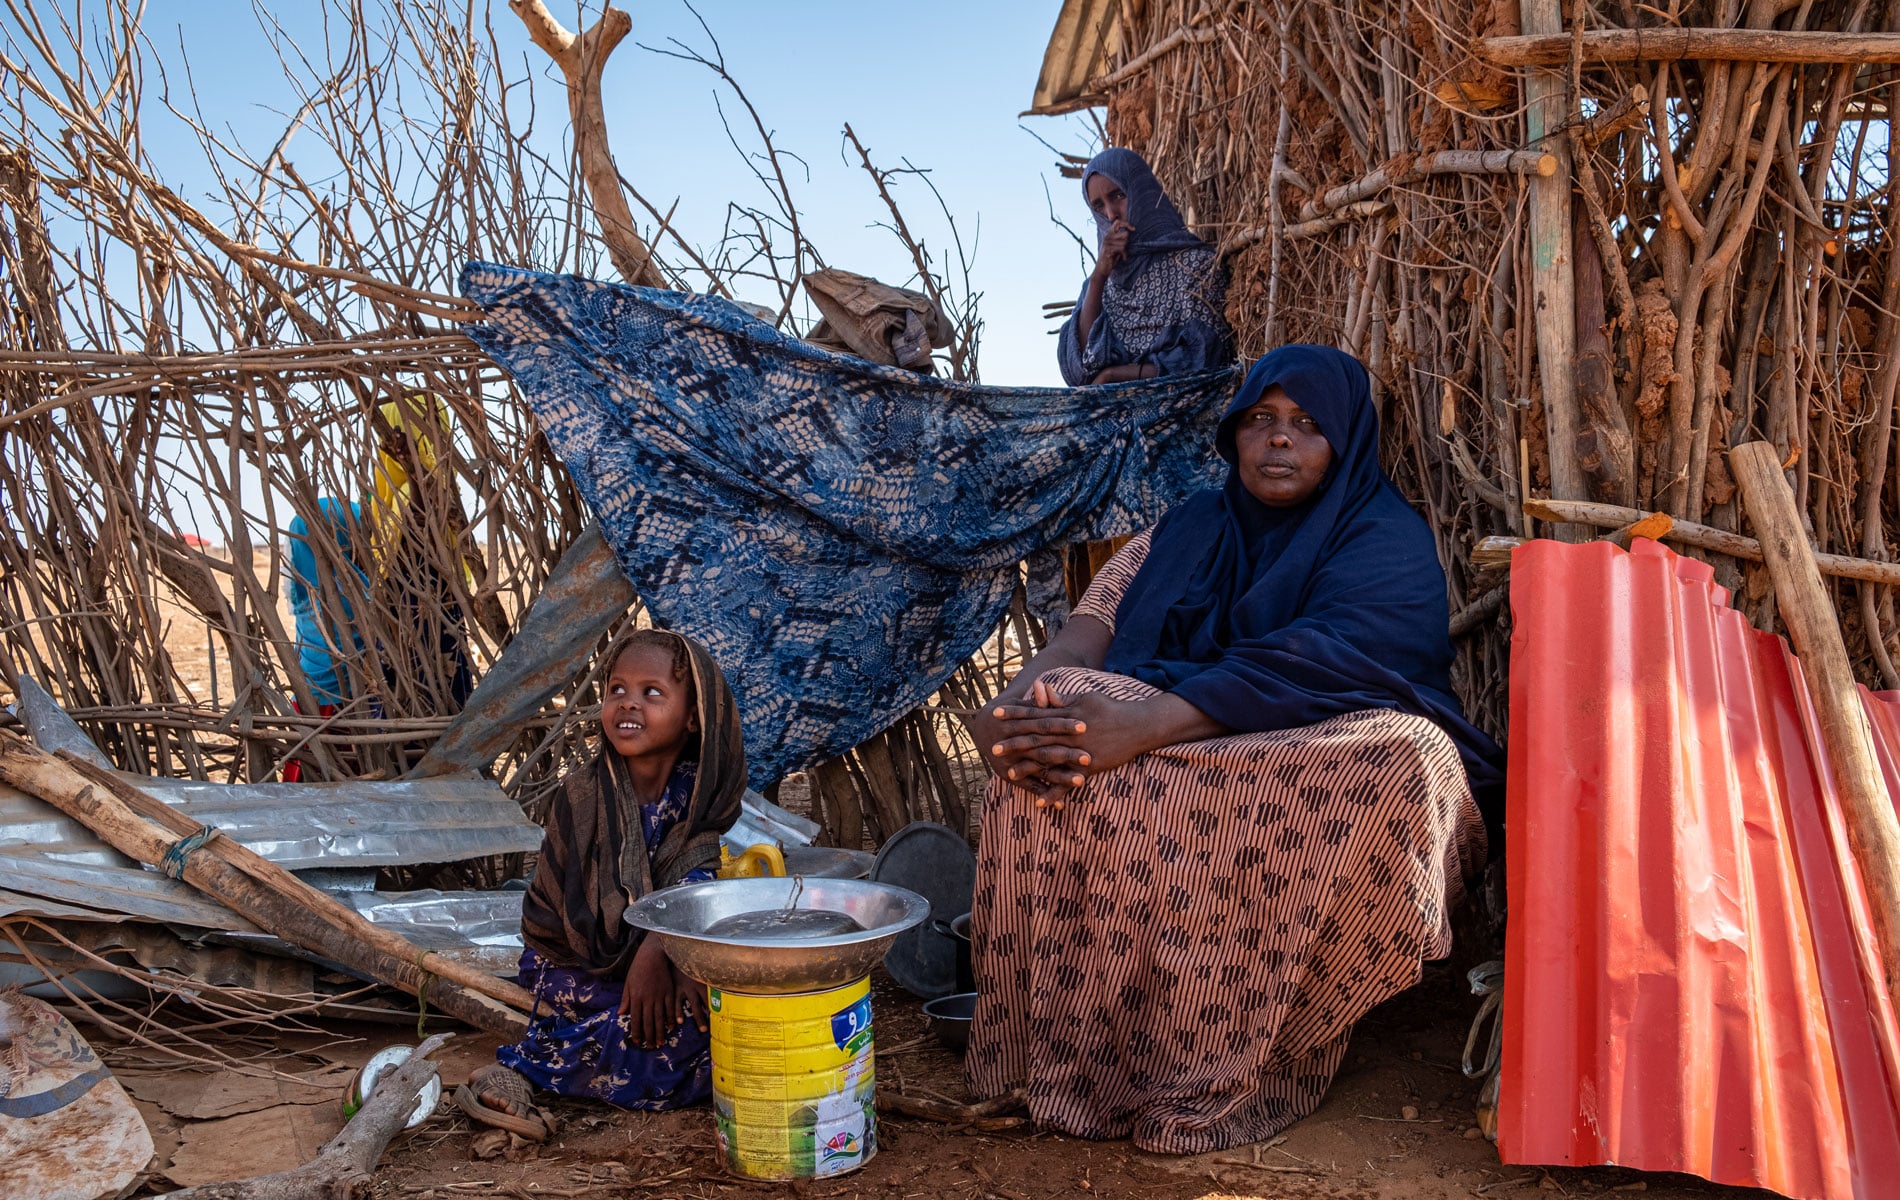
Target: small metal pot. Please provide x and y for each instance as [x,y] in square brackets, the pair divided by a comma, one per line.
[950,1018]
[959,930]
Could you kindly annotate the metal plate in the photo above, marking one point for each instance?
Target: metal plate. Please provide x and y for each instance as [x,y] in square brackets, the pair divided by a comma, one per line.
[827,862]
[935,862]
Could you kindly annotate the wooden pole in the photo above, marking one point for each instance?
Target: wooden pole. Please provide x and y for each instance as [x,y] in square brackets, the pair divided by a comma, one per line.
[581,59]
[261,891]
[1704,537]
[1550,48]
[346,1165]
[1606,456]
[1136,65]
[1541,163]
[1552,282]
[1872,827]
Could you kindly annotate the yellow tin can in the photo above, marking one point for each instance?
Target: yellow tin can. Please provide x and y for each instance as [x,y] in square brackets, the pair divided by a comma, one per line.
[794,1088]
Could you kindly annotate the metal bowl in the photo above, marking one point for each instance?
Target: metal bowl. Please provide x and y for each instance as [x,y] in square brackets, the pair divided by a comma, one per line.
[828,862]
[950,1018]
[777,965]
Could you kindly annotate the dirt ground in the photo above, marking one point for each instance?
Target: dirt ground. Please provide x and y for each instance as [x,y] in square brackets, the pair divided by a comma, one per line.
[210,1125]
[1358,1146]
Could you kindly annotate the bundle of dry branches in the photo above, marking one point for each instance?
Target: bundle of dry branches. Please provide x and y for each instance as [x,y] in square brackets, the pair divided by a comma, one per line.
[1377,175]
[181,379]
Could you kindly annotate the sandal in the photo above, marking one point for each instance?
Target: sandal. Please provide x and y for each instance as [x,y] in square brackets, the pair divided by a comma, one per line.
[1486,980]
[522,1116]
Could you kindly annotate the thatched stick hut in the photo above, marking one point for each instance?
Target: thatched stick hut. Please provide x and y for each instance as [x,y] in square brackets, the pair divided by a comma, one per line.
[1583,255]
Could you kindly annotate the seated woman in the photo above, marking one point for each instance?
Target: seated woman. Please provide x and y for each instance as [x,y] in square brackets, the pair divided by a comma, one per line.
[647,813]
[1230,812]
[1153,305]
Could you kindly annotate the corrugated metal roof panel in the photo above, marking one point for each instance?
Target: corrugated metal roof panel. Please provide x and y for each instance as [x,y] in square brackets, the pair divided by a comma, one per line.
[1690,980]
[52,866]
[21,904]
[377,824]
[1086,36]
[296,825]
[109,892]
[477,929]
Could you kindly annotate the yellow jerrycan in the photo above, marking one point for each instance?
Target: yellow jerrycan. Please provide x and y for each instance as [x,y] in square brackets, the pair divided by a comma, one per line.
[757,861]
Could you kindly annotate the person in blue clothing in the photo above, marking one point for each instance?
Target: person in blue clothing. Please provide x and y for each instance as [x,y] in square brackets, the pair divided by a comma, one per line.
[647,813]
[1153,305]
[325,638]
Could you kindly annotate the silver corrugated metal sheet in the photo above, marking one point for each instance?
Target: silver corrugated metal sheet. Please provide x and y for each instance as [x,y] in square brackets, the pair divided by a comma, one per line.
[52,866]
[760,820]
[482,929]
[358,824]
[299,825]
[24,905]
[478,929]
[1087,35]
[340,833]
[47,886]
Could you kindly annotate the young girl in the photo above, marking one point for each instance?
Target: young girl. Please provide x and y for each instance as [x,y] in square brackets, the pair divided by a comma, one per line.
[646,814]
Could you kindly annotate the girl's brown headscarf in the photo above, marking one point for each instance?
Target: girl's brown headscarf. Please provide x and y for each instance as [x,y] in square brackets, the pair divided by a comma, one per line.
[593,856]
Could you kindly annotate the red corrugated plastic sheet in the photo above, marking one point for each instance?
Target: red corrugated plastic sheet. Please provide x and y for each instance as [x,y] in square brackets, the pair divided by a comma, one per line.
[1690,980]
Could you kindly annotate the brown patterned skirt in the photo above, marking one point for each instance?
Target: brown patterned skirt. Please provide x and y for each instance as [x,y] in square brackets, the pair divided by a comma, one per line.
[1181,954]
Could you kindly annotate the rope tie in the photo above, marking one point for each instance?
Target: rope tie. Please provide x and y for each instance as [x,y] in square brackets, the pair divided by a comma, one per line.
[422,992]
[176,854]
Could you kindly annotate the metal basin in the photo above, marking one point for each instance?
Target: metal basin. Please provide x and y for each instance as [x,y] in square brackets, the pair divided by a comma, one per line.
[950,1018]
[777,963]
[828,862]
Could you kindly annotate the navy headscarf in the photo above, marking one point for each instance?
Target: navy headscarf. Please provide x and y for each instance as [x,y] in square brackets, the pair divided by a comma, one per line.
[1271,618]
[1162,303]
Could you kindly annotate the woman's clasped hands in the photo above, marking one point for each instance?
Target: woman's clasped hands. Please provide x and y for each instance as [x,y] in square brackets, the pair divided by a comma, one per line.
[1049,746]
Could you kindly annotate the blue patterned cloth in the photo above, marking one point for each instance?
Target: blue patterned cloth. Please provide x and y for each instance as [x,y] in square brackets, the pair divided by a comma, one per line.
[587,1054]
[840,535]
[659,817]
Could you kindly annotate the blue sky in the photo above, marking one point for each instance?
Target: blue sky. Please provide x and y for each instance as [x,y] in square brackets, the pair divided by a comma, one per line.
[940,85]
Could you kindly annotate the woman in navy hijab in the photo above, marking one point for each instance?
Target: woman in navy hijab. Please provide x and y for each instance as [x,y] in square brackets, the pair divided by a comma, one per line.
[1153,304]
[1234,797]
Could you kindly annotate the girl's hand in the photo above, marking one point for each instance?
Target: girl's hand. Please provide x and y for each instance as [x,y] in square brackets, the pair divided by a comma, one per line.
[649,1001]
[689,998]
